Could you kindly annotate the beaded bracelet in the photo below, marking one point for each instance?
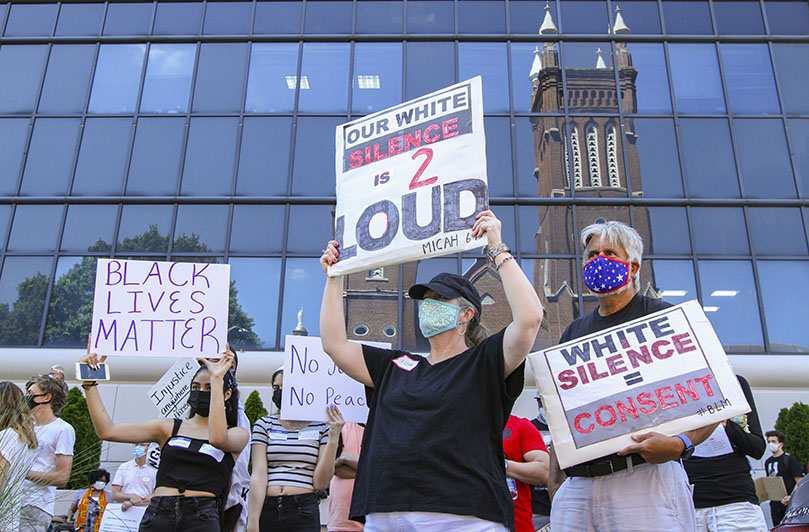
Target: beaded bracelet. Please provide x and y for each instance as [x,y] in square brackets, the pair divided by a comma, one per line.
[494,251]
[497,267]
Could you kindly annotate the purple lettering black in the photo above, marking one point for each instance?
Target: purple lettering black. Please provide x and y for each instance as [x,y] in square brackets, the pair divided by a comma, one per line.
[339,233]
[151,332]
[188,329]
[201,305]
[113,330]
[109,301]
[171,268]
[174,299]
[207,333]
[116,271]
[452,203]
[637,330]
[661,327]
[598,347]
[131,334]
[195,274]
[134,301]
[410,225]
[364,238]
[581,351]
[154,271]
[125,281]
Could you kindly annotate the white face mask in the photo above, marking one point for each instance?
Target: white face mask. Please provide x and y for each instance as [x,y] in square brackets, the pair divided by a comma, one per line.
[774,447]
[99,485]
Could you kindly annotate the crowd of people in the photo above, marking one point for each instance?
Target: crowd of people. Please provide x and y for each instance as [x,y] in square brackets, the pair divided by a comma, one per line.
[440,450]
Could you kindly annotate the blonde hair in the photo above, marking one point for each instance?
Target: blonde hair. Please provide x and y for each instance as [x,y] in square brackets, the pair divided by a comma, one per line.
[14,414]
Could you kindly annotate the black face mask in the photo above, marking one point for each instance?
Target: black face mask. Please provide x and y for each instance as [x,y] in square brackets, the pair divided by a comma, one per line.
[276,398]
[200,402]
[33,404]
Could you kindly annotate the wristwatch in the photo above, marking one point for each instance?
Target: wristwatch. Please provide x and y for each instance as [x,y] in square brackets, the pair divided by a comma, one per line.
[689,447]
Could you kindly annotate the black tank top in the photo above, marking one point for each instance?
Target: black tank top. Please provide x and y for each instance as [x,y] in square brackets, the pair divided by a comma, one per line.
[193,464]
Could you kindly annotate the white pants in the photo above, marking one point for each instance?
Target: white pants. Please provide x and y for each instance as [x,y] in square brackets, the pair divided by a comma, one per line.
[736,517]
[33,519]
[649,497]
[428,522]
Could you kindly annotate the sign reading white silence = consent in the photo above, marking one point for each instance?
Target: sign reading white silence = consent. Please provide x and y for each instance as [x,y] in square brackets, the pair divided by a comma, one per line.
[665,372]
[152,308]
[411,179]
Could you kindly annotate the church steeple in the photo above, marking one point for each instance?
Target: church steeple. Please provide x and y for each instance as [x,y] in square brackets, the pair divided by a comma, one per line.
[623,57]
[600,61]
[536,67]
[620,26]
[548,27]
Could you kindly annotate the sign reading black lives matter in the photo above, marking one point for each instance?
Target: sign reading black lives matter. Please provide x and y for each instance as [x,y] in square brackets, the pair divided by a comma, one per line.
[411,179]
[665,372]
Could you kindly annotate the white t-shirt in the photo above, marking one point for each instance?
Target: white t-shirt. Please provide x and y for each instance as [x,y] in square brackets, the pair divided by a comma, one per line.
[57,437]
[20,457]
[135,480]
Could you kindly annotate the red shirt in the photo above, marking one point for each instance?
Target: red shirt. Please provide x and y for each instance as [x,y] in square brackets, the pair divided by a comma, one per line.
[520,437]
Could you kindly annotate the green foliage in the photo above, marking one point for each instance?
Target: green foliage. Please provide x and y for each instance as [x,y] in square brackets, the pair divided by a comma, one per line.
[794,422]
[19,323]
[87,449]
[254,407]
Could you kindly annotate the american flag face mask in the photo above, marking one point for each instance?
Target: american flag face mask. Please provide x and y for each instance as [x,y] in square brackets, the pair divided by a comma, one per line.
[603,275]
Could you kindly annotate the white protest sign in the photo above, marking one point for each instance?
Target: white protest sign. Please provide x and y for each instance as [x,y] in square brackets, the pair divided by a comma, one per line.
[665,372]
[117,520]
[312,381]
[411,179]
[151,308]
[170,393]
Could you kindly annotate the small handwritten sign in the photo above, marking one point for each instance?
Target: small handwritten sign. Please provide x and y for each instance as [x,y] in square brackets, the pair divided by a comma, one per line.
[152,308]
[117,520]
[170,393]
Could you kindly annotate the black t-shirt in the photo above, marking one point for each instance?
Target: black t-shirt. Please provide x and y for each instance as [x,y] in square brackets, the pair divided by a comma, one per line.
[434,438]
[540,500]
[726,479]
[637,308]
[786,466]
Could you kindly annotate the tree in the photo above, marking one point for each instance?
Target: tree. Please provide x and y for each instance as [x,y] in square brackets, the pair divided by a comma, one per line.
[254,407]
[87,449]
[794,422]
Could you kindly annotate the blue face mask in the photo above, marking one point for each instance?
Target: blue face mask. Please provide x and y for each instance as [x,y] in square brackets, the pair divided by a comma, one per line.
[139,451]
[436,317]
[603,275]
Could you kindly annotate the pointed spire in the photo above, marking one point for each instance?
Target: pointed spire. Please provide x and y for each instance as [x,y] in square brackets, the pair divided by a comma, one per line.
[536,67]
[548,26]
[600,63]
[620,26]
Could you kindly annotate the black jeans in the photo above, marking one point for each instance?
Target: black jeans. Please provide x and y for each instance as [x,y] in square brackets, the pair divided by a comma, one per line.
[290,513]
[181,514]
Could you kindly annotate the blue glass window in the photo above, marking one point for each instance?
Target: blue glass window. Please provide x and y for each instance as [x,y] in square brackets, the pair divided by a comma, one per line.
[799,141]
[210,157]
[278,17]
[379,17]
[31,19]
[128,19]
[524,146]
[50,158]
[522,60]
[687,17]
[5,219]
[729,298]
[669,230]
[35,228]
[24,64]
[674,280]
[695,73]
[738,18]
[490,61]
[430,16]
[272,80]
[641,16]
[659,165]
[303,288]
[228,18]
[783,306]
[324,78]
[168,78]
[177,18]
[581,87]
[481,16]
[102,157]
[23,285]
[220,78]
[144,228]
[244,238]
[777,231]
[526,16]
[257,282]
[14,132]
[708,157]
[313,168]
[584,16]
[310,227]
[117,78]
[377,80]
[748,74]
[430,66]
[89,226]
[536,225]
[719,231]
[792,64]
[652,88]
[70,308]
[264,158]
[328,17]
[764,158]
[787,18]
[67,79]
[80,19]
[201,228]
[498,156]
[156,156]
[585,55]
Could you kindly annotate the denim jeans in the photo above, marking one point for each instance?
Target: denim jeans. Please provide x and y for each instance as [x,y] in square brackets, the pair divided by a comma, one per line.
[290,513]
[181,514]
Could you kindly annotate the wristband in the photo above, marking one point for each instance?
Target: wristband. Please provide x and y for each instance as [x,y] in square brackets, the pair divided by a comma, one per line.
[497,266]
[89,384]
[495,250]
[689,447]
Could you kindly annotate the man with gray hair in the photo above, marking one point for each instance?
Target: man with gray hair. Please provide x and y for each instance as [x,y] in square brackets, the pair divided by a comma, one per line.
[643,487]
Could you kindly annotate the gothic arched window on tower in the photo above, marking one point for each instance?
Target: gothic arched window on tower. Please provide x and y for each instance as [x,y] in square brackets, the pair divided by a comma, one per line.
[574,143]
[612,157]
[592,156]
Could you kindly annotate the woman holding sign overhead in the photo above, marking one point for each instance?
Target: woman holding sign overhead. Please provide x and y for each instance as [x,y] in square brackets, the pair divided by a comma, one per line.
[197,454]
[432,455]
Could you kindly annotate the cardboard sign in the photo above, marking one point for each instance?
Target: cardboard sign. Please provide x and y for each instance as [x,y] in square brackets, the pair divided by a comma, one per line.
[151,308]
[312,381]
[170,393]
[117,520]
[411,179]
[770,489]
[665,372]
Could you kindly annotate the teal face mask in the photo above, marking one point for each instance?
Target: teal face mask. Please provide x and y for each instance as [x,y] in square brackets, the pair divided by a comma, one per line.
[436,317]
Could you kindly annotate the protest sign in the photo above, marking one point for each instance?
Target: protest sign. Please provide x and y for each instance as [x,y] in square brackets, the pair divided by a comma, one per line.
[312,381]
[153,308]
[665,372]
[411,179]
[170,393]
[117,520]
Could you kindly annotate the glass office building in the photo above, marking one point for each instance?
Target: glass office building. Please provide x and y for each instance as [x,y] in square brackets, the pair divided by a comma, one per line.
[205,131]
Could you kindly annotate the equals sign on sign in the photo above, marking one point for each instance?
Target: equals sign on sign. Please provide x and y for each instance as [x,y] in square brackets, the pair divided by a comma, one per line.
[633,378]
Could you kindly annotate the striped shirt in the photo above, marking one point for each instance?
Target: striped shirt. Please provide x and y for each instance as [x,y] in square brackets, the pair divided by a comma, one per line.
[291,454]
